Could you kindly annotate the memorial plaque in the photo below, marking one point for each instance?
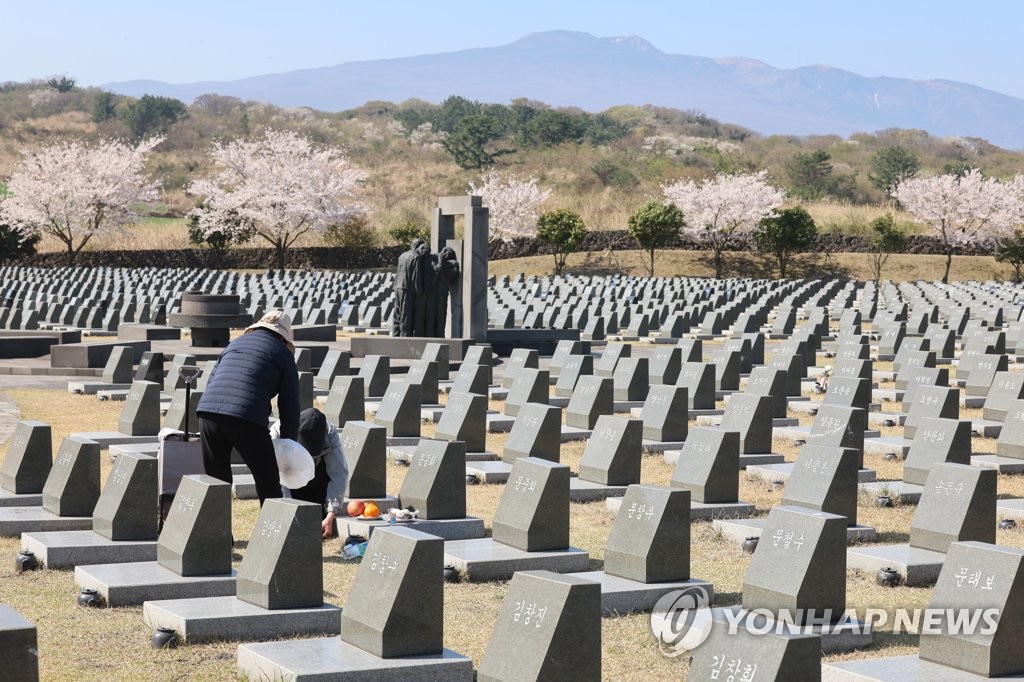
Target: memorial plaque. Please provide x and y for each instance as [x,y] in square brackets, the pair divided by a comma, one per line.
[140,415]
[125,509]
[29,458]
[692,350]
[937,441]
[73,485]
[435,485]
[536,432]
[665,414]
[849,392]
[958,503]
[650,539]
[364,446]
[533,512]
[283,564]
[793,365]
[549,628]
[825,479]
[196,538]
[709,466]
[464,418]
[612,453]
[346,402]
[399,410]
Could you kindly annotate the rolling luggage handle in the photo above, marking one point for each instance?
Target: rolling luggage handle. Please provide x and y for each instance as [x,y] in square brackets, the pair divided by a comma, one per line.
[190,375]
[178,455]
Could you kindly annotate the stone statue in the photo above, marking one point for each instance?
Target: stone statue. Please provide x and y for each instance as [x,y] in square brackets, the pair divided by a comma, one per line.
[426,304]
[445,267]
[408,290]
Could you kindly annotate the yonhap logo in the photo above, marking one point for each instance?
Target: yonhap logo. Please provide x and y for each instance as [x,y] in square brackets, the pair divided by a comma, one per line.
[681,620]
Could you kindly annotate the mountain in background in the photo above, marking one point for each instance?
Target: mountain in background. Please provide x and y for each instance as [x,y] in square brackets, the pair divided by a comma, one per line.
[566,68]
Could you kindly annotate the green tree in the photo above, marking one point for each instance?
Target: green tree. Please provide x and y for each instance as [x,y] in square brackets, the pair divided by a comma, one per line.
[61,83]
[549,128]
[453,111]
[150,115]
[564,230]
[810,174]
[103,107]
[468,145]
[407,231]
[655,225]
[787,232]
[887,238]
[1011,252]
[891,166]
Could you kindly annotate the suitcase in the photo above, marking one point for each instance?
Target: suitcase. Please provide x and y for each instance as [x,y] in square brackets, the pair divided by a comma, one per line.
[180,453]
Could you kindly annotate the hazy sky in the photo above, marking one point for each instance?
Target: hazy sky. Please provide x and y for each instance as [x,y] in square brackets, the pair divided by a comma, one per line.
[102,41]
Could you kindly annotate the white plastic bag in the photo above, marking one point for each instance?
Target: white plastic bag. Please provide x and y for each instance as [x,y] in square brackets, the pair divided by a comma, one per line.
[294,462]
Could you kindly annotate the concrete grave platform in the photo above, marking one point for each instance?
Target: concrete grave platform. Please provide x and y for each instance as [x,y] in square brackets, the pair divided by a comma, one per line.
[17,520]
[9,499]
[782,472]
[383,503]
[428,413]
[467,528]
[637,413]
[402,441]
[739,530]
[986,428]
[588,491]
[484,559]
[497,392]
[330,658]
[1012,508]
[135,448]
[115,395]
[94,387]
[908,493]
[887,395]
[880,419]
[217,618]
[884,446]
[700,511]
[1004,465]
[800,434]
[135,583]
[918,567]
[972,401]
[489,472]
[672,456]
[404,453]
[67,549]
[108,438]
[571,433]
[499,423]
[621,595]
[243,486]
[627,406]
[902,668]
[659,446]
[777,422]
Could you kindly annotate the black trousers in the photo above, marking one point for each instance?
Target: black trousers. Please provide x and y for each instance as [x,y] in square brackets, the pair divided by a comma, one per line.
[221,433]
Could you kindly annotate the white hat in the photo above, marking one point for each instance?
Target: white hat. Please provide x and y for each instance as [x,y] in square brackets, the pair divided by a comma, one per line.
[279,323]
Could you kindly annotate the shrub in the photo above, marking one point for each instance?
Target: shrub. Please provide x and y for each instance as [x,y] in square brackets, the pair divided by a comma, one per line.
[655,225]
[354,232]
[405,232]
[564,230]
[788,231]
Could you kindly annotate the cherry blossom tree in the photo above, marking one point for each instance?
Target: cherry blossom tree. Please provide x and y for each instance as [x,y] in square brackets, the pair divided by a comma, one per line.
[513,204]
[719,207]
[960,209]
[74,191]
[280,187]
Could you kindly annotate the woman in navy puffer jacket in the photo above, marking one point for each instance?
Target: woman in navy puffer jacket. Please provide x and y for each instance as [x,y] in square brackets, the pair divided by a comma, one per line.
[235,407]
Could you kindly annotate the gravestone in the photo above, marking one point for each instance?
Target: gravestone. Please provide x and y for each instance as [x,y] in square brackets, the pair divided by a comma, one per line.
[118,369]
[664,367]
[176,411]
[151,367]
[533,512]
[283,564]
[364,446]
[838,426]
[424,373]
[472,379]
[337,363]
[575,367]
[593,397]
[435,484]
[958,503]
[464,418]
[530,386]
[931,401]
[376,375]
[140,415]
[536,433]
[800,565]
[196,538]
[630,380]
[727,370]
[395,606]
[736,651]
[849,392]
[73,485]
[521,358]
[125,509]
[709,465]
[1011,438]
[609,360]
[937,441]
[19,642]
[650,539]
[612,453]
[665,414]
[771,383]
[480,354]
[825,479]
[1006,387]
[751,416]
[441,354]
[698,379]
[399,410]
[346,402]
[28,459]
[549,628]
[984,372]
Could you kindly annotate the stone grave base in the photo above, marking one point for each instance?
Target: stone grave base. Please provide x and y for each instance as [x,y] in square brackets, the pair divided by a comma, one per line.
[918,567]
[383,503]
[558,401]
[151,449]
[672,456]
[700,511]
[17,520]
[738,531]
[67,549]
[210,618]
[428,413]
[1010,509]
[622,595]
[898,669]
[115,395]
[846,635]
[497,392]
[880,419]
[777,422]
[466,528]
[9,499]
[499,423]
[800,434]
[404,453]
[484,559]
[329,658]
[660,446]
[489,472]
[243,487]
[782,472]
[887,395]
[589,491]
[1004,465]
[135,583]
[972,401]
[908,493]
[571,433]
[398,441]
[108,438]
[93,387]
[986,428]
[626,406]
[884,446]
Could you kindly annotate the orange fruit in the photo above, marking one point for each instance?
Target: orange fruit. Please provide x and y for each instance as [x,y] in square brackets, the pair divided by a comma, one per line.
[371,510]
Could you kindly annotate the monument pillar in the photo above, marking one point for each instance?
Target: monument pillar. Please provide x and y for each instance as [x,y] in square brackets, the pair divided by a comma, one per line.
[467,314]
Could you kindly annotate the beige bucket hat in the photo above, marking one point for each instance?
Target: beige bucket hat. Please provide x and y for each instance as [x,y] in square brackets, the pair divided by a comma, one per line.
[279,323]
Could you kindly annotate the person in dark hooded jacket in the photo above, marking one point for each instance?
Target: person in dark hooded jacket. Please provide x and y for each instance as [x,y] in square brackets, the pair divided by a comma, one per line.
[234,410]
